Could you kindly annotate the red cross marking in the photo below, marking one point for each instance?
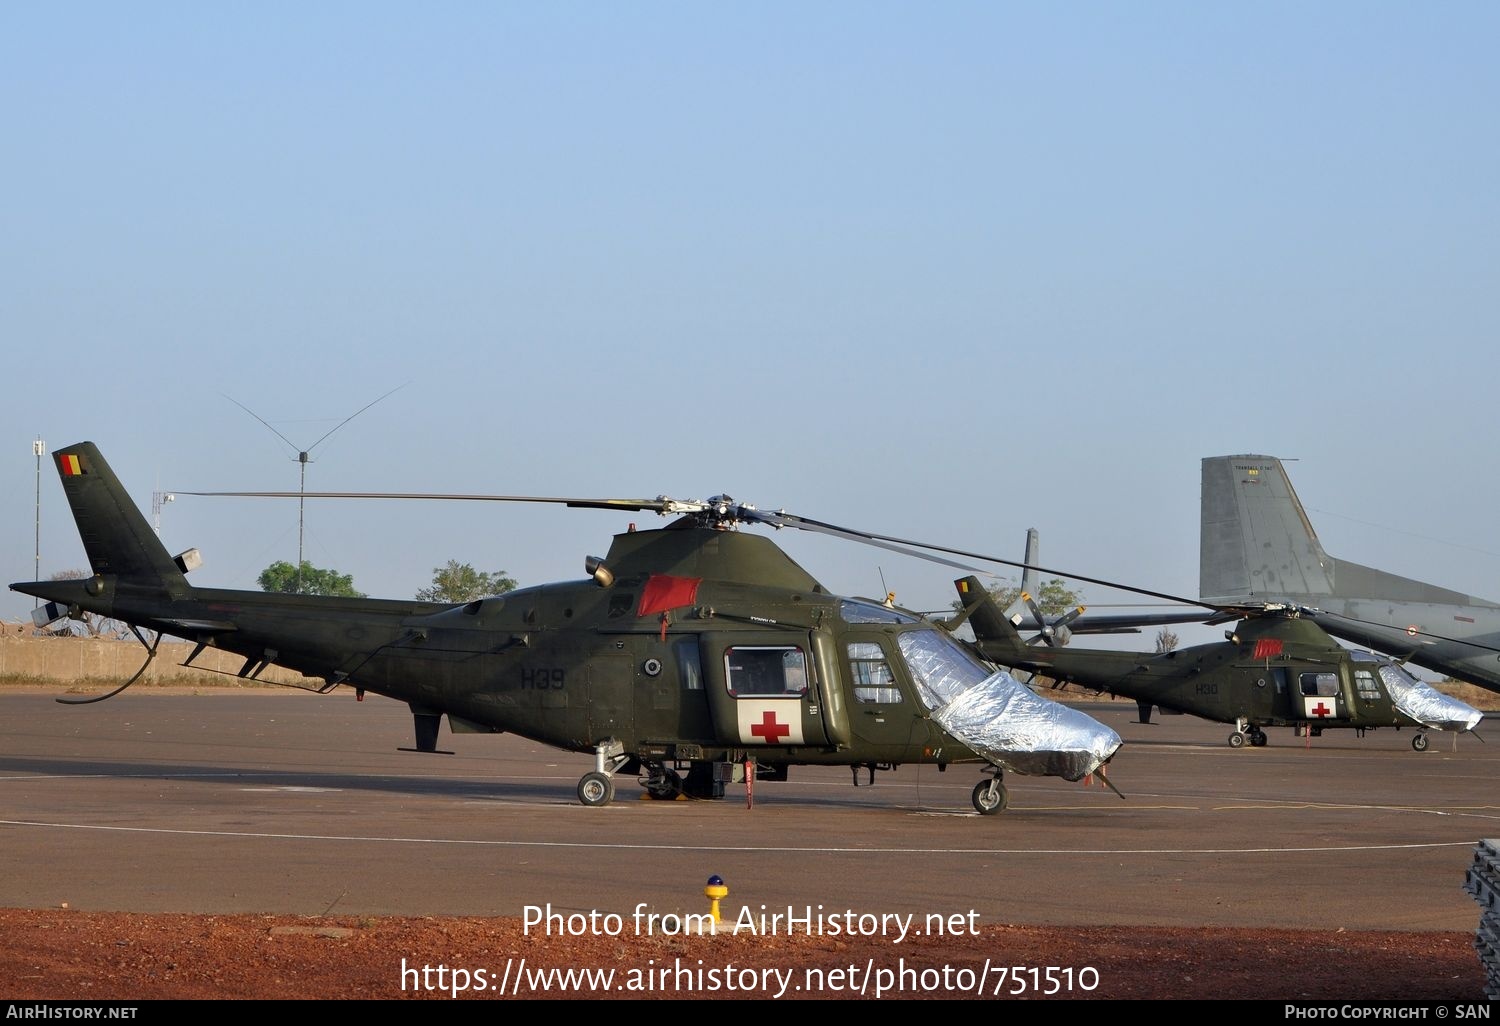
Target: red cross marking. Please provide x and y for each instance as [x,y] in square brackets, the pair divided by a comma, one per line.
[1320,710]
[769,729]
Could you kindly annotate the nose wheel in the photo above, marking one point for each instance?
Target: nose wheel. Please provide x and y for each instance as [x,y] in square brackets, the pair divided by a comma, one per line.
[990,796]
[1419,743]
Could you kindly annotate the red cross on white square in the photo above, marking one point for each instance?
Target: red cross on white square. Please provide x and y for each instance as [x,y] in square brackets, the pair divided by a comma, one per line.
[769,728]
[1320,710]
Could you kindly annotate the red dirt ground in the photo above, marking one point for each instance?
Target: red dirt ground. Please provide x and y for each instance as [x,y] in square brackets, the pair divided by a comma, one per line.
[67,955]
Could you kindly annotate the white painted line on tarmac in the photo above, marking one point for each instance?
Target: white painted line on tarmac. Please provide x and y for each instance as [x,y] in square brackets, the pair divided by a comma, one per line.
[731,848]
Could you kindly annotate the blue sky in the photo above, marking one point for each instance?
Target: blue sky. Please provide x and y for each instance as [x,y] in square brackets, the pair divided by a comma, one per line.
[945,272]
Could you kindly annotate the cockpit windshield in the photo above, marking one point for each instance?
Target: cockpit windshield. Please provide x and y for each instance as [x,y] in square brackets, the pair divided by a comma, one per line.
[855,611]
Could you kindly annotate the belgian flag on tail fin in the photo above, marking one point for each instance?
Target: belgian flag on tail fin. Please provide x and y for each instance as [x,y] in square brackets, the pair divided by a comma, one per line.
[72,464]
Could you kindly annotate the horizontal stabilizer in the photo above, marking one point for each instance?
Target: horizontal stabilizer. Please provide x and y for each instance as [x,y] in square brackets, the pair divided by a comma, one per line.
[48,613]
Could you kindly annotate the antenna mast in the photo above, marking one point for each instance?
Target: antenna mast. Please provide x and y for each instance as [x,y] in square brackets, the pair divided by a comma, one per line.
[304,458]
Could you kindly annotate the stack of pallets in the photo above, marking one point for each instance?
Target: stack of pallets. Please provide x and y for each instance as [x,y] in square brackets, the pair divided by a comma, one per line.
[1483,881]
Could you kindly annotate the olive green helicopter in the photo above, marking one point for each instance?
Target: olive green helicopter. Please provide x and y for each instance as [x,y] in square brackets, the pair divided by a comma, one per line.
[1276,667]
[688,655]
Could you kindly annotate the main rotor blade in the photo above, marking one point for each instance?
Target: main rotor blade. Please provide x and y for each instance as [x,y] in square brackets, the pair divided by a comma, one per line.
[780,519]
[734,511]
[805,523]
[658,505]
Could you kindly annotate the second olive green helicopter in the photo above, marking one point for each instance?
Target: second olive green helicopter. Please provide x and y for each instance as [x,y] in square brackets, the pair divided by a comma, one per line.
[1275,668]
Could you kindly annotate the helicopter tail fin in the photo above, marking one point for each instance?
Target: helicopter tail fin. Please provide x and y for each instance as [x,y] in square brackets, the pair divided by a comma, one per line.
[116,537]
[997,636]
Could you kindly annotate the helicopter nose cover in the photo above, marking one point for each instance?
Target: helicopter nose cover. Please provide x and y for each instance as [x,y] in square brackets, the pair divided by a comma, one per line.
[1426,704]
[1004,721]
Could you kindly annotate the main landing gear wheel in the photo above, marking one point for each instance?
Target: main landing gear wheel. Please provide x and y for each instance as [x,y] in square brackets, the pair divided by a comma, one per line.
[596,789]
[990,797]
[1236,740]
[1419,743]
[1258,739]
[662,784]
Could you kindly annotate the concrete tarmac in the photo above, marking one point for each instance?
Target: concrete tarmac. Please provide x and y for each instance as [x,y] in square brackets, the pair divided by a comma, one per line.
[285,802]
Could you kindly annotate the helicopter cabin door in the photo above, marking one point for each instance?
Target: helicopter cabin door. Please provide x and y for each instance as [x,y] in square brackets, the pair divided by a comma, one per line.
[1369,695]
[1322,697]
[763,689]
[884,715]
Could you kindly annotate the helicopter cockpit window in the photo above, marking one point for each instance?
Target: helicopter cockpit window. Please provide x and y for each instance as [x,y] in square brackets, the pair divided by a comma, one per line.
[873,682]
[1366,686]
[855,611]
[758,671]
[1320,685]
[942,669]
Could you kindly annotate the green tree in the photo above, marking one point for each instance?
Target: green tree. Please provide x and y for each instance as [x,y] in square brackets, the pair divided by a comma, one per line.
[282,577]
[460,582]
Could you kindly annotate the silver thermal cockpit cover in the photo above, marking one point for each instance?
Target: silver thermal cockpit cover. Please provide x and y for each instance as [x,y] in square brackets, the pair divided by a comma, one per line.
[999,718]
